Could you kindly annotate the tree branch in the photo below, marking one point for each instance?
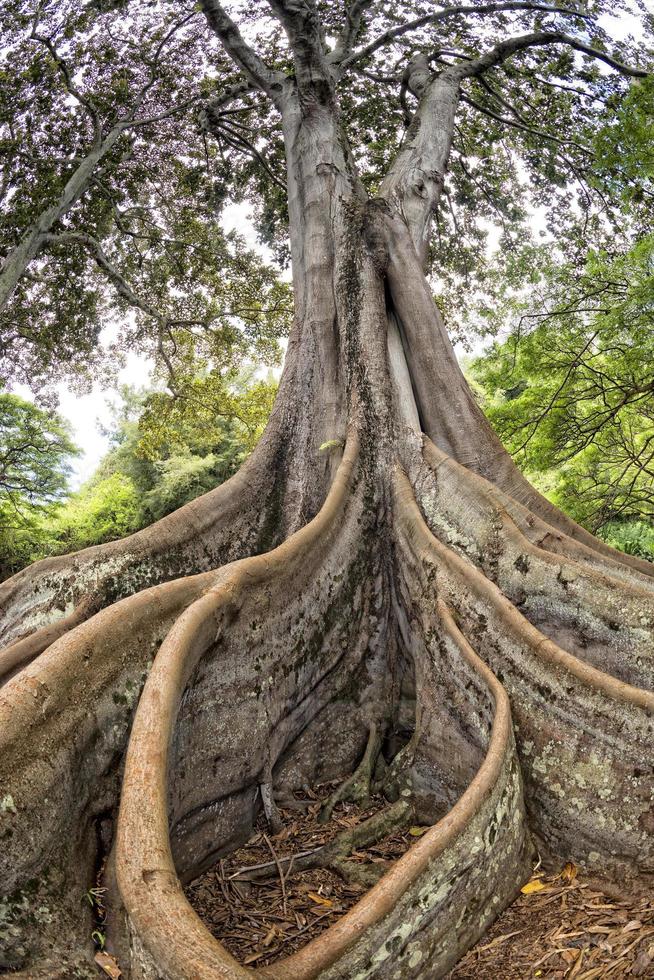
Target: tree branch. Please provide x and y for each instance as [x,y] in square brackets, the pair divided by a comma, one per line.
[71,88]
[348,36]
[523,126]
[454,11]
[220,129]
[506,49]
[148,120]
[95,249]
[313,71]
[229,95]
[18,259]
[124,289]
[258,73]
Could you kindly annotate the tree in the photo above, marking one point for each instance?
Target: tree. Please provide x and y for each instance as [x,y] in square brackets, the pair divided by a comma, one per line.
[35,453]
[379,556]
[160,458]
[571,391]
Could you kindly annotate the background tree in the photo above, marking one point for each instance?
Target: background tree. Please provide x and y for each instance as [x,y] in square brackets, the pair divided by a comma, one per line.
[570,391]
[378,590]
[573,397]
[35,455]
[161,456]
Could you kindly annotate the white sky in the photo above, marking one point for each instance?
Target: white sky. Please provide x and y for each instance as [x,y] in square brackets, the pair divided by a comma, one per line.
[87,412]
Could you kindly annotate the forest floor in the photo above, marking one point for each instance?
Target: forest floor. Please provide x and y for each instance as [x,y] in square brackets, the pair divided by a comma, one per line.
[563,927]
[259,921]
[560,926]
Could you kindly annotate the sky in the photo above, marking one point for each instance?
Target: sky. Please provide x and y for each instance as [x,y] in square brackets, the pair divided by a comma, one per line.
[88,413]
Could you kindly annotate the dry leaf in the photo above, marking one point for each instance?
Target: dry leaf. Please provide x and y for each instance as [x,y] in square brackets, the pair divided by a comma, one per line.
[642,964]
[569,871]
[320,900]
[107,963]
[535,885]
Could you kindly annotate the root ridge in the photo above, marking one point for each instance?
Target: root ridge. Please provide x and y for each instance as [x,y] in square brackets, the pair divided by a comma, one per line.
[357,787]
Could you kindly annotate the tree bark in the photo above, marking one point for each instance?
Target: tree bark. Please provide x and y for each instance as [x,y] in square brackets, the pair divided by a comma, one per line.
[19,258]
[407,570]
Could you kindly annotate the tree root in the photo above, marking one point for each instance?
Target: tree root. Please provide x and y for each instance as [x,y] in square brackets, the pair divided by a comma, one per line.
[336,854]
[357,787]
[396,780]
[268,643]
[270,807]
[561,704]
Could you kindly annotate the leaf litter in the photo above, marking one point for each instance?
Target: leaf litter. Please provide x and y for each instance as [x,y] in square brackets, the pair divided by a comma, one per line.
[560,926]
[260,921]
[564,927]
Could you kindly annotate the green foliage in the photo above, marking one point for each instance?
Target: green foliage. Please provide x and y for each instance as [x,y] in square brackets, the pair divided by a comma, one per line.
[620,170]
[209,407]
[35,450]
[181,290]
[101,510]
[164,453]
[624,147]
[633,537]
[35,453]
[571,391]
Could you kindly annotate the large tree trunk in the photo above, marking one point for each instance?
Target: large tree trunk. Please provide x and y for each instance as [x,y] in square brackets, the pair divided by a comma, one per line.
[152,686]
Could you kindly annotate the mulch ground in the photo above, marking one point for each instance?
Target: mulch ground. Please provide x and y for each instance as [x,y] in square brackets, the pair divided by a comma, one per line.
[560,926]
[261,921]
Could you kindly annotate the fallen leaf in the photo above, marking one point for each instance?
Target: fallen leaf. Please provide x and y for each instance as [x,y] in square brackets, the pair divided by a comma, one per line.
[642,964]
[535,885]
[320,900]
[107,963]
[569,871]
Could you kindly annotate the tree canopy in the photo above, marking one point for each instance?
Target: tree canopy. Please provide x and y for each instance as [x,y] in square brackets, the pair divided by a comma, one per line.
[128,129]
[109,207]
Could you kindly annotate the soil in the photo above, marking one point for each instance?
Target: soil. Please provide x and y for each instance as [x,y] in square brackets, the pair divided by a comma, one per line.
[262,921]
